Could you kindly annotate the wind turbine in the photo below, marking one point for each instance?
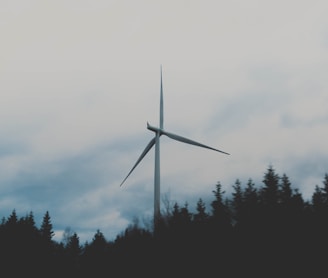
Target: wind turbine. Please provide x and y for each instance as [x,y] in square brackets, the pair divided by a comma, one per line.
[156,141]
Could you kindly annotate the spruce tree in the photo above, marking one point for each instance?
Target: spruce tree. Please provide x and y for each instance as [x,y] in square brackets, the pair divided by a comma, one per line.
[46,228]
[237,203]
[220,212]
[270,190]
[201,216]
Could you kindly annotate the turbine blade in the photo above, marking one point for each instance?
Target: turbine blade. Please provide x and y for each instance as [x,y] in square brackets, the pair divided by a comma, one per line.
[189,141]
[161,112]
[146,150]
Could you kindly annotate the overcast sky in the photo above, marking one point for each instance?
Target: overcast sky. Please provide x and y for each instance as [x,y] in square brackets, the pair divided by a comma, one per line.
[79,79]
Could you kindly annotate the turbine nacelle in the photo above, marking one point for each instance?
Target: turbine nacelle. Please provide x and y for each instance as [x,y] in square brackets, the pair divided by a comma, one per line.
[155,129]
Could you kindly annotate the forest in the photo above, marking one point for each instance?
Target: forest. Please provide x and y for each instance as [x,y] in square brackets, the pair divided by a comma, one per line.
[265,230]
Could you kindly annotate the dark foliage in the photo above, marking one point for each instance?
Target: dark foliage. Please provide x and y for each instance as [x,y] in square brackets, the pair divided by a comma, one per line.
[260,231]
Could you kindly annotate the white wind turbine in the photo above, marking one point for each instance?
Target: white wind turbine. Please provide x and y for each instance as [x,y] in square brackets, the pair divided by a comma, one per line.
[155,141]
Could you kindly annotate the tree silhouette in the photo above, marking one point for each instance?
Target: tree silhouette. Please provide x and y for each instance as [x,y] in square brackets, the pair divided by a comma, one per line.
[46,229]
[266,230]
[237,204]
[201,216]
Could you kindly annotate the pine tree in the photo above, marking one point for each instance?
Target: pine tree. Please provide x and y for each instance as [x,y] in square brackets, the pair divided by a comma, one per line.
[270,191]
[186,216]
[73,252]
[237,202]
[99,242]
[12,219]
[217,203]
[46,228]
[200,227]
[220,220]
[251,202]
[325,190]
[286,192]
[73,245]
[320,205]
[201,216]
[220,212]
[96,255]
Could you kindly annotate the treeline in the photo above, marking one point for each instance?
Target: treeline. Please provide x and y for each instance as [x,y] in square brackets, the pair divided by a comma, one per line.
[267,230]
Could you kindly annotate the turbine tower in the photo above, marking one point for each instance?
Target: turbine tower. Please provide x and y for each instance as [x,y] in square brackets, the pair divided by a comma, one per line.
[156,141]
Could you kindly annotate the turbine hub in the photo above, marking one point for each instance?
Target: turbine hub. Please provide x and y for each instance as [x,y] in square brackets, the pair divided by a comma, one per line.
[155,129]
